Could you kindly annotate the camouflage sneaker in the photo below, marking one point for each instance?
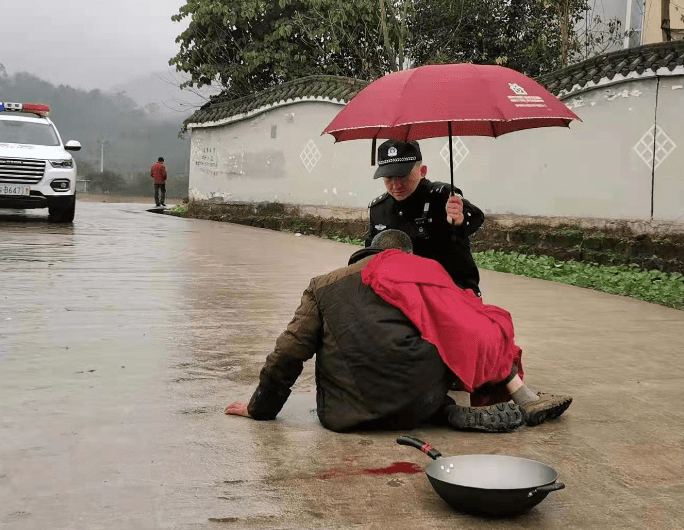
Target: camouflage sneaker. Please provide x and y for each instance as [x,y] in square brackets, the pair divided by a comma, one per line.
[547,407]
[501,417]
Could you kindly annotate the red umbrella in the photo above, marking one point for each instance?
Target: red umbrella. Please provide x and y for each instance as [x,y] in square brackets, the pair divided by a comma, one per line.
[443,100]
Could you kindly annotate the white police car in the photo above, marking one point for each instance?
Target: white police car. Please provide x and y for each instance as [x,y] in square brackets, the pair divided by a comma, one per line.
[36,169]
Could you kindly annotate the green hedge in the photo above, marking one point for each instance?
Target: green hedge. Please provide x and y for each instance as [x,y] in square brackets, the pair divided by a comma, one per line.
[626,280]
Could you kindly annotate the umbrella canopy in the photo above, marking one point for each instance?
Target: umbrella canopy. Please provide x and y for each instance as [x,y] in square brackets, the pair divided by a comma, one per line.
[469,99]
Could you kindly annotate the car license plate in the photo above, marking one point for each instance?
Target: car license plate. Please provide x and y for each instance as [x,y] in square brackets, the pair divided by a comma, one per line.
[8,189]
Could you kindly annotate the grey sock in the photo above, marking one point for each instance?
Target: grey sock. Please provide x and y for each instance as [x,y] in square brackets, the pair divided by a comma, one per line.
[524,395]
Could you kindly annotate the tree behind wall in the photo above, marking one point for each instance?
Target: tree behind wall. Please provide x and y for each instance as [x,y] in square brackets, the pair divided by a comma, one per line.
[520,34]
[248,45]
[530,36]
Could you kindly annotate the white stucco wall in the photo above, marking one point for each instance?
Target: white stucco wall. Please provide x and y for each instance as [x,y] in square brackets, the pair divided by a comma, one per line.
[243,161]
[669,175]
[588,170]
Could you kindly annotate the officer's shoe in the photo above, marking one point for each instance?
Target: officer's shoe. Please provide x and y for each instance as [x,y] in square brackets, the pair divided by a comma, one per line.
[501,417]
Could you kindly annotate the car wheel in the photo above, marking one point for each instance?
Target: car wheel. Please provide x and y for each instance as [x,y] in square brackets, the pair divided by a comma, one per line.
[63,214]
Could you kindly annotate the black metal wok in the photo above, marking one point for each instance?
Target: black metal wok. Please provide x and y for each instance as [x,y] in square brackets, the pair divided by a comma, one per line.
[487,484]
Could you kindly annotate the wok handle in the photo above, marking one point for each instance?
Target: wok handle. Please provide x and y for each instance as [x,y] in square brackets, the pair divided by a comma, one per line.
[419,444]
[546,489]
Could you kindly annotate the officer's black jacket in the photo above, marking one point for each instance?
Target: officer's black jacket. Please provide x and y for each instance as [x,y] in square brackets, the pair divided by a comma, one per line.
[422,216]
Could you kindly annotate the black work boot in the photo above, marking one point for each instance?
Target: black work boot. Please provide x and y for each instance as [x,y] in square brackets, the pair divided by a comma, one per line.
[501,417]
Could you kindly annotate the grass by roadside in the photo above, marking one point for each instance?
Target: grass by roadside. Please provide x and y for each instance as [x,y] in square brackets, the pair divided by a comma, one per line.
[178,211]
[625,280]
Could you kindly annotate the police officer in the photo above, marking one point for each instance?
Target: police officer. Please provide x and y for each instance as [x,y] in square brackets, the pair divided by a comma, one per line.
[439,225]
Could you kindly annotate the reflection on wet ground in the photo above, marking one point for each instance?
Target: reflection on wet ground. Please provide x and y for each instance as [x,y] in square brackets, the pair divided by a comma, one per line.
[122,338]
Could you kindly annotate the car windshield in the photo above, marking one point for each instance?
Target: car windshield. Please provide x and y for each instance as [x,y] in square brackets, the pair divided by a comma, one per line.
[27,132]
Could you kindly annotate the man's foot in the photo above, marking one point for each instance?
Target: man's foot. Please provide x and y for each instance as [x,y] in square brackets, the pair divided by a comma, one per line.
[547,407]
[501,417]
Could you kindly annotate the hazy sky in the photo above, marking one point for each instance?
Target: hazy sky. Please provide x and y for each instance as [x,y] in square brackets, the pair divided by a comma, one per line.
[89,44]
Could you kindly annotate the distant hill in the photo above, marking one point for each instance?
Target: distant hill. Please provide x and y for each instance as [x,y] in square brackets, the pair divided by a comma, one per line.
[159,95]
[136,134]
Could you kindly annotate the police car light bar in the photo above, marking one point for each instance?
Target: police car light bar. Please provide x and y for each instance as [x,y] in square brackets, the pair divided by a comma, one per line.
[36,108]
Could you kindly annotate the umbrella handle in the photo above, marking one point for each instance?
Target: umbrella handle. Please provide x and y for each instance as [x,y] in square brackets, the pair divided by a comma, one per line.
[419,444]
[451,161]
[454,233]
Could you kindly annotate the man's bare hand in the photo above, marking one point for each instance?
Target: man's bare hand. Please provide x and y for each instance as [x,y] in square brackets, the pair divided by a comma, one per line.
[237,409]
[454,209]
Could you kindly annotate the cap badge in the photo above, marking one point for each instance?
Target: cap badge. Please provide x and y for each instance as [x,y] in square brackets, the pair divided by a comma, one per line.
[392,151]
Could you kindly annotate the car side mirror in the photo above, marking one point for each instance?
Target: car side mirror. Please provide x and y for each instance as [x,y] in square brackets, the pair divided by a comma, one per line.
[72,145]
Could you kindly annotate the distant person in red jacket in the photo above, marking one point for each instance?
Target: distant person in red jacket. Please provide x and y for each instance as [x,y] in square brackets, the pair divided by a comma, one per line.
[158,173]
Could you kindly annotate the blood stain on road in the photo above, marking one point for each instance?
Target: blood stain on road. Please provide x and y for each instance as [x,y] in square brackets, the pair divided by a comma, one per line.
[397,467]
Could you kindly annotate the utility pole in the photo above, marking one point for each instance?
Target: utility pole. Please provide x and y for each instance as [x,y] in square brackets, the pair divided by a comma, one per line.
[586,31]
[665,19]
[102,143]
[628,24]
[564,11]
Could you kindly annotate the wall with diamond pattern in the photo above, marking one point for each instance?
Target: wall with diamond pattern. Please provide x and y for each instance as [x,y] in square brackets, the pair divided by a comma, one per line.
[625,160]
[280,155]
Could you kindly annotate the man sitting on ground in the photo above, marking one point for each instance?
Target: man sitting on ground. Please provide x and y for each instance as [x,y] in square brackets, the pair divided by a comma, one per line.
[373,367]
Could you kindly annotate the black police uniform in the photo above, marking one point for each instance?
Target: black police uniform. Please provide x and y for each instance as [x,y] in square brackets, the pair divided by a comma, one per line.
[422,215]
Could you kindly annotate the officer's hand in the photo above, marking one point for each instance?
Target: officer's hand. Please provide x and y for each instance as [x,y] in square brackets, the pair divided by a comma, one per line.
[454,209]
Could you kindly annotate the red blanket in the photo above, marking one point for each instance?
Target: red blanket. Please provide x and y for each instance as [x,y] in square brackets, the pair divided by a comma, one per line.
[474,339]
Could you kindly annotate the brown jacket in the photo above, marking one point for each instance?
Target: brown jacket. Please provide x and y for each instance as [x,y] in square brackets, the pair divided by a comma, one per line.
[373,369]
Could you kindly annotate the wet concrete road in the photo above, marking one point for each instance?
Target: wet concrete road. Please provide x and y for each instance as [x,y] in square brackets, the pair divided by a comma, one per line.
[123,337]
